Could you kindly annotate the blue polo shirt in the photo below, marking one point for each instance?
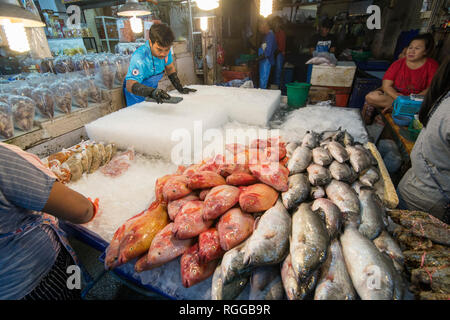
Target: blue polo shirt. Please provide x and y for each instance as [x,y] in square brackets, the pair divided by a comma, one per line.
[144,65]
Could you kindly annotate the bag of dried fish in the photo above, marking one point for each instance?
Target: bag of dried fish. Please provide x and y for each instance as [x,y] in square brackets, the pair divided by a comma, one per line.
[107,72]
[47,65]
[6,121]
[23,109]
[45,103]
[64,64]
[63,97]
[95,94]
[122,64]
[24,90]
[80,93]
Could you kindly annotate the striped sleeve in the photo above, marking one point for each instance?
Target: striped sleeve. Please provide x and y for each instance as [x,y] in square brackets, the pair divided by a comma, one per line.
[24,181]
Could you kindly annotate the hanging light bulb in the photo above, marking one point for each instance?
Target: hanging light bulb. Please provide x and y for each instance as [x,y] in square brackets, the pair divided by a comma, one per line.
[265,8]
[16,36]
[207,4]
[204,23]
[136,24]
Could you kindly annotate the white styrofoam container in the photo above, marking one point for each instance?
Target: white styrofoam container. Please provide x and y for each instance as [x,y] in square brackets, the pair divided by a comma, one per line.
[340,76]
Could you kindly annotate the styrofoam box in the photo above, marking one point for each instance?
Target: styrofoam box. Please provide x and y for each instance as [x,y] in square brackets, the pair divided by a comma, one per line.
[340,76]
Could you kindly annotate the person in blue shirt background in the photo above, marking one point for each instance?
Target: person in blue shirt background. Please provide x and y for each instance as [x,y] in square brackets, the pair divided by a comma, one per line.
[266,53]
[147,67]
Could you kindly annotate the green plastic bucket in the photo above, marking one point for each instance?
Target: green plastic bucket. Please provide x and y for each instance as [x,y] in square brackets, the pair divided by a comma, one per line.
[297,93]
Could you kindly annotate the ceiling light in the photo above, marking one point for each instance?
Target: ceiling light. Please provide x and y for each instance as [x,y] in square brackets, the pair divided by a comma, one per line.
[132,9]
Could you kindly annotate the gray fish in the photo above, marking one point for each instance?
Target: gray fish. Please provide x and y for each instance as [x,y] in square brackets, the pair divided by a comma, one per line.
[340,171]
[373,160]
[371,214]
[357,185]
[343,196]
[318,175]
[385,243]
[372,275]
[221,291]
[269,242]
[369,177]
[348,139]
[331,135]
[290,148]
[301,158]
[330,214]
[299,189]
[309,242]
[337,151]
[359,158]
[233,266]
[296,290]
[317,192]
[310,139]
[266,283]
[321,156]
[334,282]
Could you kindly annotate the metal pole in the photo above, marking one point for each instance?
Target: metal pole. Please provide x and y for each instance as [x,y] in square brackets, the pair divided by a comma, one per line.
[191,31]
[205,65]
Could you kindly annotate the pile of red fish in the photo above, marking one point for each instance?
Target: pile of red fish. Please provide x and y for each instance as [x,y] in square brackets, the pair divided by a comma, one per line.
[204,210]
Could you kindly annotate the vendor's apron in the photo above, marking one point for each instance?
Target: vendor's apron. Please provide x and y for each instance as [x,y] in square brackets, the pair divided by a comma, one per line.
[46,220]
[264,70]
[152,82]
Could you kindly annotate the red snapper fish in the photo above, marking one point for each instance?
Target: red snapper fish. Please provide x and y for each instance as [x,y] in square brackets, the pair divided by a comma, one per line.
[257,198]
[176,188]
[234,227]
[209,246]
[189,221]
[192,270]
[204,180]
[135,236]
[273,174]
[164,248]
[174,207]
[219,200]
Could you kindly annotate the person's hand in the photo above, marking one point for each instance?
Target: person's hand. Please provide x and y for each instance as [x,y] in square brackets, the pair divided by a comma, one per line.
[160,95]
[387,110]
[187,90]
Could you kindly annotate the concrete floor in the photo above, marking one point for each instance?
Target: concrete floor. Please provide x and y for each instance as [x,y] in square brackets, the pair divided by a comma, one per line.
[108,287]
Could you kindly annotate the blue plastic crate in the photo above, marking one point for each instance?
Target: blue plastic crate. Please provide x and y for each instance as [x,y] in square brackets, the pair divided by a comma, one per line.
[404,106]
[361,88]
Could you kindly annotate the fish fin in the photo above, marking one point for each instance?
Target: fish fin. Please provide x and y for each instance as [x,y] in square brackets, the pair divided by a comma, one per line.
[255,224]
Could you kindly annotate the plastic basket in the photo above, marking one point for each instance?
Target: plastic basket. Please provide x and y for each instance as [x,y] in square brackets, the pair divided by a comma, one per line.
[404,106]
[361,88]
[414,133]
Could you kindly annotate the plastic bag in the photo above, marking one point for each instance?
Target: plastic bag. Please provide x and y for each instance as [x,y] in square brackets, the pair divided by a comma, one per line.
[63,97]
[4,97]
[80,92]
[391,155]
[122,64]
[23,109]
[47,65]
[24,90]
[81,65]
[64,64]
[45,103]
[107,72]
[6,121]
[95,94]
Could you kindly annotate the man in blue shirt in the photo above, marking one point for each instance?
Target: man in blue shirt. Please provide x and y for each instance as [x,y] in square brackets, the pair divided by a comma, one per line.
[147,67]
[266,53]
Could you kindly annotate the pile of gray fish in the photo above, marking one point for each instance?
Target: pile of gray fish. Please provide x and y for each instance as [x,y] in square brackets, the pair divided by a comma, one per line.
[326,238]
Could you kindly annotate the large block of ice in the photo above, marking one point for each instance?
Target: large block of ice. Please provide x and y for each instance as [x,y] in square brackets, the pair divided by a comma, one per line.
[150,127]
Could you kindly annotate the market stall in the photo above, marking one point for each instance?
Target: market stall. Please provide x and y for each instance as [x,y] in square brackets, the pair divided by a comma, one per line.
[135,188]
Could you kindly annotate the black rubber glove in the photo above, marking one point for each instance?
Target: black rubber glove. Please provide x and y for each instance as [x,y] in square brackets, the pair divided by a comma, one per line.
[142,90]
[177,84]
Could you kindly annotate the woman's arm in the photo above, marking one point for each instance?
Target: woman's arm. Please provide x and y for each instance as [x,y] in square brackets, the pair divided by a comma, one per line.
[68,204]
[388,88]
